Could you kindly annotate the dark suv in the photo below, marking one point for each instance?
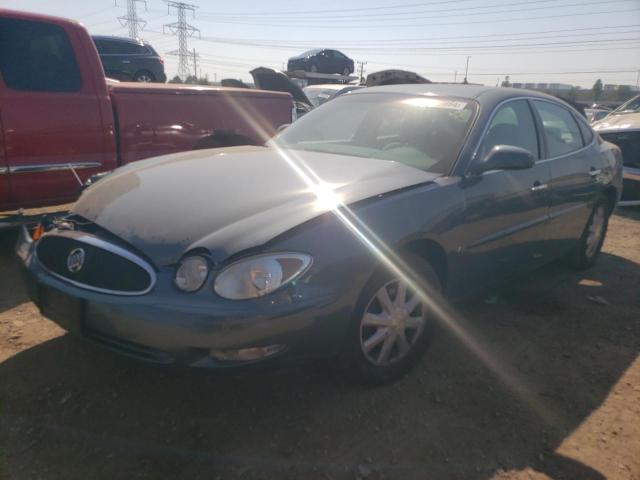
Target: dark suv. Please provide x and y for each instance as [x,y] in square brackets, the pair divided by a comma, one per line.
[322,61]
[126,59]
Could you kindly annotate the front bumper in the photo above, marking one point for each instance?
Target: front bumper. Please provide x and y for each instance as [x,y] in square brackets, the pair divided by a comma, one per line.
[631,187]
[168,326]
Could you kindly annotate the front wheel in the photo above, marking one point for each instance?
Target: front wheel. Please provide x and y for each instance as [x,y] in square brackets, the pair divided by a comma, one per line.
[392,325]
[592,238]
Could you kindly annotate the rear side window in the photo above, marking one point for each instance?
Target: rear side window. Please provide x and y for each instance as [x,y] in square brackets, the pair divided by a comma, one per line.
[37,56]
[561,131]
[512,124]
[587,132]
[128,48]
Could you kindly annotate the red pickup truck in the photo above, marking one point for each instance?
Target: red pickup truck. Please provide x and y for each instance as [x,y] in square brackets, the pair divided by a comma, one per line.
[61,118]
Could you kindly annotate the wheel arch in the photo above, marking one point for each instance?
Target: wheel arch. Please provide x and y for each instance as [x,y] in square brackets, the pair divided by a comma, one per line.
[431,251]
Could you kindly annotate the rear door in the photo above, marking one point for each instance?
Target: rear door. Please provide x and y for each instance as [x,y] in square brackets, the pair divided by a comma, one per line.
[51,113]
[574,172]
[506,216]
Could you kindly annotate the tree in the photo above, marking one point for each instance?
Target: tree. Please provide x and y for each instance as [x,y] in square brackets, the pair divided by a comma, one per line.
[506,82]
[597,89]
[175,79]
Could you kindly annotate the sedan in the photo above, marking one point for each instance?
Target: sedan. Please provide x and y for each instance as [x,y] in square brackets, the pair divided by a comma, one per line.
[344,236]
[322,60]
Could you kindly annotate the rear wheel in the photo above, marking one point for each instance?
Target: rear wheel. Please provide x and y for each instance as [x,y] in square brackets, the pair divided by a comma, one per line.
[392,325]
[590,243]
[144,76]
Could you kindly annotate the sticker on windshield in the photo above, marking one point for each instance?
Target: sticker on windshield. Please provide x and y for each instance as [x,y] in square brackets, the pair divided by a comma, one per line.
[425,102]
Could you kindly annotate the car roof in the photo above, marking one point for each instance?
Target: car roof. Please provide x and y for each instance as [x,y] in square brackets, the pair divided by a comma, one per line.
[478,92]
[119,39]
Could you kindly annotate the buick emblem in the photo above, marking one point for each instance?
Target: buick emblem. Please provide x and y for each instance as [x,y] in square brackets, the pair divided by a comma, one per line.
[75,260]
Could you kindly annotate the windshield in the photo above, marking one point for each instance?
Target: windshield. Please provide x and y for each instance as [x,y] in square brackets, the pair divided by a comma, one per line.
[422,132]
[632,106]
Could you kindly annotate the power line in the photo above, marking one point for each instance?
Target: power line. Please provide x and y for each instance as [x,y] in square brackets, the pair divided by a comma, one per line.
[591,31]
[131,19]
[486,10]
[183,30]
[493,20]
[341,10]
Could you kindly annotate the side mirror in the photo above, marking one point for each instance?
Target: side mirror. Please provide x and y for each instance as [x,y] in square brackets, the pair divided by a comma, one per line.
[505,157]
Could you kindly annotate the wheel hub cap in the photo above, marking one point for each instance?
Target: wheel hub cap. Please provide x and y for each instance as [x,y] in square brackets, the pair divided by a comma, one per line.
[391,324]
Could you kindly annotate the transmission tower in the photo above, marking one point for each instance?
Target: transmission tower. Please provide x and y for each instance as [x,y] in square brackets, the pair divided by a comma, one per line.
[131,19]
[183,30]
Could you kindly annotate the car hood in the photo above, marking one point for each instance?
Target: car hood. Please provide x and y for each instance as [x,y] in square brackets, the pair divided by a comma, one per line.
[618,121]
[228,200]
[272,80]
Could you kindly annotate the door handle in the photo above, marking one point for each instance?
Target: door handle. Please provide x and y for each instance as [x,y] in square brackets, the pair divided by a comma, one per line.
[539,187]
[594,172]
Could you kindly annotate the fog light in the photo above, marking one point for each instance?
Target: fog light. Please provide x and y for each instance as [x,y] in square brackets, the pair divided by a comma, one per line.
[246,354]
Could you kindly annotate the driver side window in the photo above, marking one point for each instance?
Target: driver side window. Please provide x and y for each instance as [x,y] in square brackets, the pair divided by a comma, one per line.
[512,124]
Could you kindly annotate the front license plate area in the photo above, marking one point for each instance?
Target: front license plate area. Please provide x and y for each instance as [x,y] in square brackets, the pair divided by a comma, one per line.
[66,311]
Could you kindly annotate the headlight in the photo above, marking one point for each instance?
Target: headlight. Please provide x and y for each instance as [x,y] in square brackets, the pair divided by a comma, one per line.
[257,276]
[191,273]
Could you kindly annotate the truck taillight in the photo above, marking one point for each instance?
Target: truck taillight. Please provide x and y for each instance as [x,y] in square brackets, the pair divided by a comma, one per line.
[161,60]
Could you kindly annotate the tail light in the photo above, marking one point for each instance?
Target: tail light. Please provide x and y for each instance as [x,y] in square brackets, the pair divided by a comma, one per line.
[161,60]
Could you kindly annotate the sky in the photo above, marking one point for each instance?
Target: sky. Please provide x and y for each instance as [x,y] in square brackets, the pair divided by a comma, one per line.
[561,41]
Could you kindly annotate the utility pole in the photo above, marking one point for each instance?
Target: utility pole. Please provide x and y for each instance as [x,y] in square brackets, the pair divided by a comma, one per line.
[131,19]
[466,71]
[362,64]
[183,31]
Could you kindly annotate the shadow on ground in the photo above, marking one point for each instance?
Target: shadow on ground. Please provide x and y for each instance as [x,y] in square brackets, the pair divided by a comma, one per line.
[70,410]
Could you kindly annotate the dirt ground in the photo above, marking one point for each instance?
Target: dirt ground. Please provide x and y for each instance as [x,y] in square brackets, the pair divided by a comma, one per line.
[547,386]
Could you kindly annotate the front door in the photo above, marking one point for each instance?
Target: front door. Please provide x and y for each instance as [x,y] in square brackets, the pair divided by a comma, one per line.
[53,131]
[506,214]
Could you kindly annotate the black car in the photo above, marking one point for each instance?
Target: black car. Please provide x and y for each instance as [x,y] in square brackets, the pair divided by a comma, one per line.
[127,59]
[322,61]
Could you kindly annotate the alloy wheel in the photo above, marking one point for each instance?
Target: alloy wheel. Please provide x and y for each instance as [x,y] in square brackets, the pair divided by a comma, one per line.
[391,324]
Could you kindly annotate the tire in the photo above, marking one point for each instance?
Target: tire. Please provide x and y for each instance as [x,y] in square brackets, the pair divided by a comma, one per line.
[366,345]
[586,251]
[144,76]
